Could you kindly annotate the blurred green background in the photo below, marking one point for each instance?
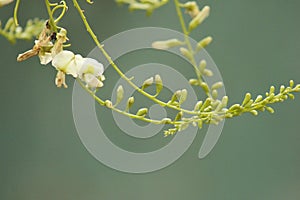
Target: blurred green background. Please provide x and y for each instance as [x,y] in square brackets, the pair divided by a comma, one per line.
[256,44]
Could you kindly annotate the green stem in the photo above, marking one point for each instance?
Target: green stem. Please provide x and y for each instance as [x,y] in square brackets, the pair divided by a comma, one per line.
[16,12]
[133,116]
[51,19]
[64,8]
[122,75]
[188,42]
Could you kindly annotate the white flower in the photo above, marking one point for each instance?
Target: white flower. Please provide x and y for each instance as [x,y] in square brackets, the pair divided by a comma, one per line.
[68,63]
[4,2]
[91,72]
[87,69]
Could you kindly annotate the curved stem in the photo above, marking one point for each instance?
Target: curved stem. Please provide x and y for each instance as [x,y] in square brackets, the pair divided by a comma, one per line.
[122,75]
[188,43]
[16,12]
[133,116]
[64,9]
[51,20]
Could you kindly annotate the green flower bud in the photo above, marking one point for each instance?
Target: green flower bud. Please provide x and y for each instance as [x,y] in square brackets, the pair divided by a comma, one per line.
[198,106]
[254,112]
[205,87]
[178,116]
[194,82]
[246,99]
[204,43]
[130,102]
[163,45]
[199,18]
[120,94]
[292,83]
[183,96]
[217,85]
[202,66]
[270,109]
[186,53]
[142,112]
[108,104]
[158,83]
[214,94]
[147,83]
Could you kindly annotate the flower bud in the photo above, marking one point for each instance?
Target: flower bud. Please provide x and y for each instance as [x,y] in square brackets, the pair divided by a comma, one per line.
[142,112]
[130,102]
[204,43]
[158,83]
[186,53]
[120,94]
[163,45]
[147,83]
[201,16]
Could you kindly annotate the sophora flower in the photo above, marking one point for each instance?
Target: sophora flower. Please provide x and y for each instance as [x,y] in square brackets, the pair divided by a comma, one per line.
[91,72]
[88,70]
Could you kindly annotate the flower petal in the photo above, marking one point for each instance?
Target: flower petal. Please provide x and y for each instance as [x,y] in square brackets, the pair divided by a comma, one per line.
[62,60]
[45,57]
[74,66]
[92,81]
[91,66]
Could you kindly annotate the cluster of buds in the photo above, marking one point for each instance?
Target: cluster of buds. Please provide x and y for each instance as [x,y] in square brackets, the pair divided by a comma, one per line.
[198,16]
[49,48]
[12,32]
